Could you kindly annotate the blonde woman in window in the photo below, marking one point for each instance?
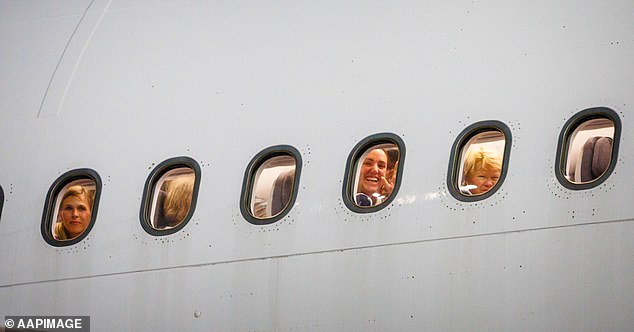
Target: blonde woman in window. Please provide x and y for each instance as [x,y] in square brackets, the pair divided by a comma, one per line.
[178,200]
[481,171]
[74,213]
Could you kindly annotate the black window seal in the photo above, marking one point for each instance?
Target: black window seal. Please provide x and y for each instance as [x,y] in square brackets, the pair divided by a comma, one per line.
[1,201]
[51,198]
[150,186]
[456,152]
[351,169]
[564,141]
[249,173]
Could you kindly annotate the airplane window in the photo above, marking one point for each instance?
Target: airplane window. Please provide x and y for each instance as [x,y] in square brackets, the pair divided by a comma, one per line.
[479,160]
[170,196]
[589,143]
[272,187]
[270,184]
[71,207]
[373,173]
[173,195]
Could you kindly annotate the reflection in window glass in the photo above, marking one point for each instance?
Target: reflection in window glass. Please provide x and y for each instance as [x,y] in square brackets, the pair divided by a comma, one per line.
[272,186]
[481,163]
[73,209]
[589,150]
[376,175]
[172,198]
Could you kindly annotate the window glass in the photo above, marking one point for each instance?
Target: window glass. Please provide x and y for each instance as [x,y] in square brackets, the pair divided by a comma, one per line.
[589,151]
[272,186]
[170,195]
[172,198]
[71,205]
[481,162]
[73,209]
[375,175]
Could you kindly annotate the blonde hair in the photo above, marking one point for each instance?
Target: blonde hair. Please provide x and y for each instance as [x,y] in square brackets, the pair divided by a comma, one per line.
[87,196]
[179,198]
[480,159]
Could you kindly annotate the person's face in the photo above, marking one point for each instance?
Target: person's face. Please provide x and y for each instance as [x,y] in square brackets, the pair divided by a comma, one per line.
[484,180]
[373,169]
[75,215]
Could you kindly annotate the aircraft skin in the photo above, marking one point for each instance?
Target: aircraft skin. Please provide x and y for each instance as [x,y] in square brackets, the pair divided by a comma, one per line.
[121,86]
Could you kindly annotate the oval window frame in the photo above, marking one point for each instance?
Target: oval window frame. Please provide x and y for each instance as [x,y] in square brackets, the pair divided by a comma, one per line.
[563,143]
[456,154]
[51,198]
[351,168]
[150,185]
[248,182]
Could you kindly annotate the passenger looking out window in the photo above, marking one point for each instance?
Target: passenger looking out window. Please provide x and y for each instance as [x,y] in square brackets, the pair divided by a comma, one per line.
[376,175]
[479,165]
[74,213]
[481,172]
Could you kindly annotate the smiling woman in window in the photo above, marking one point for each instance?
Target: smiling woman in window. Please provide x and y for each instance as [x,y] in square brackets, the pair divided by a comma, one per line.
[74,213]
[373,173]
[374,185]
